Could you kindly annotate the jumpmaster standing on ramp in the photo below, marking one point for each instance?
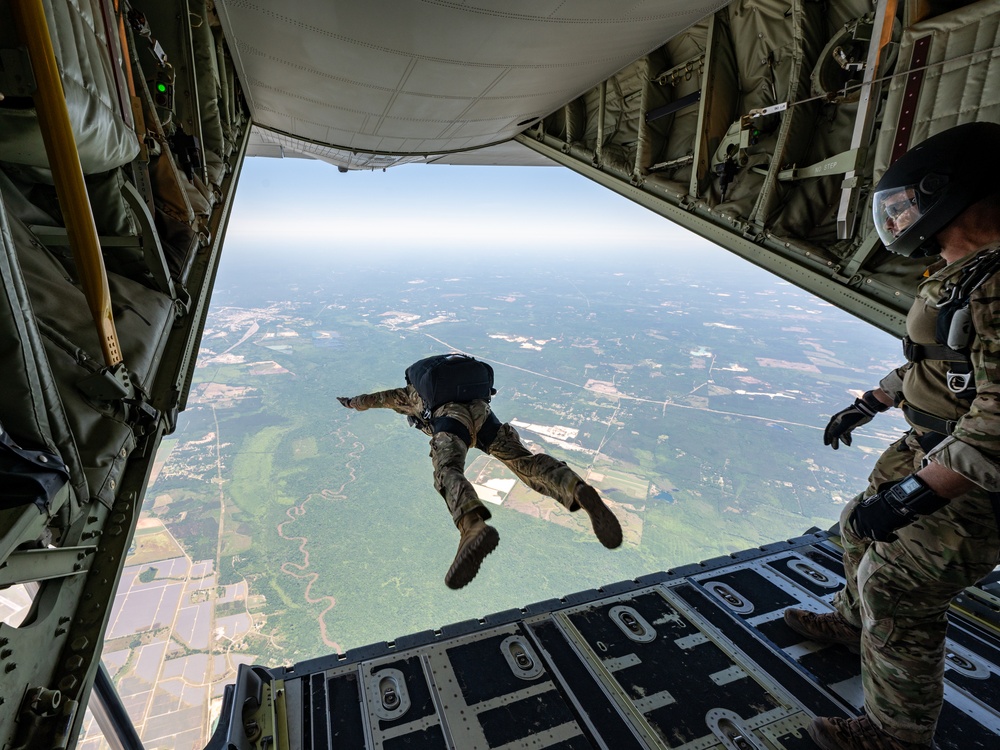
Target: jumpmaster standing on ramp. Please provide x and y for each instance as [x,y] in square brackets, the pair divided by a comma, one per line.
[447,396]
[926,526]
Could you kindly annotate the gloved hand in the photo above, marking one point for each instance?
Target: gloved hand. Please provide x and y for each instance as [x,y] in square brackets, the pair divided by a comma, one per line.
[838,430]
[895,505]
[345,401]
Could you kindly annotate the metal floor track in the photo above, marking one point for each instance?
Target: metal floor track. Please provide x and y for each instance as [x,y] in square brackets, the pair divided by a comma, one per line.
[696,658]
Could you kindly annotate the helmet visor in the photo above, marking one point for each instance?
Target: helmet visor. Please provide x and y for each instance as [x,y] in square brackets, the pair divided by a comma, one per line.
[897,210]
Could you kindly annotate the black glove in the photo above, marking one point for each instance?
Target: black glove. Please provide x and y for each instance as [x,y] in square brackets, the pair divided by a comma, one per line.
[345,401]
[894,506]
[838,430]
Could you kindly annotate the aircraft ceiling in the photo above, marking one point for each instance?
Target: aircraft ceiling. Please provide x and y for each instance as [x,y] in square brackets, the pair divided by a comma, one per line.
[372,83]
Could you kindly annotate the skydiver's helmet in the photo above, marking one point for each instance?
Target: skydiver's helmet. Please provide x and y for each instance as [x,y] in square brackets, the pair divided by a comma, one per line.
[932,183]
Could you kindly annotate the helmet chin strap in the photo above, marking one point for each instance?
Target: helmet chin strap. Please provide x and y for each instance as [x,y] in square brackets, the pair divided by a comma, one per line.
[928,247]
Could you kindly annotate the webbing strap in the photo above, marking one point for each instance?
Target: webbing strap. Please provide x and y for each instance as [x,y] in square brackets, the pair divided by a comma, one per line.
[484,438]
[919,352]
[488,433]
[928,421]
[452,425]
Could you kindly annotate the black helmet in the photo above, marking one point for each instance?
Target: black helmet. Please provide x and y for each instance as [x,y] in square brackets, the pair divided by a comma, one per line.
[934,182]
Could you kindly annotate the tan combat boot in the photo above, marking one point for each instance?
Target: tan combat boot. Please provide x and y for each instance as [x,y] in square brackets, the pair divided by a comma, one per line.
[857,734]
[606,527]
[830,627]
[478,540]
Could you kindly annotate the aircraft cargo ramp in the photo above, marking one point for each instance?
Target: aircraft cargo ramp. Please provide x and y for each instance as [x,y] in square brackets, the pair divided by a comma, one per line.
[697,658]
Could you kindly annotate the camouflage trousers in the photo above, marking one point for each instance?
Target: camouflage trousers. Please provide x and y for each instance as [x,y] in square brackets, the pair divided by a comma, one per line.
[541,472]
[898,593]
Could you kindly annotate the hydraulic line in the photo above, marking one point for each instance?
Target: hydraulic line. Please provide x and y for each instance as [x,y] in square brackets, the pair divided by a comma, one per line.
[67,173]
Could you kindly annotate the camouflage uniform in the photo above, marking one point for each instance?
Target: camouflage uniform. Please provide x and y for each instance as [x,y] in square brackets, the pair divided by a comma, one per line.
[899,592]
[541,472]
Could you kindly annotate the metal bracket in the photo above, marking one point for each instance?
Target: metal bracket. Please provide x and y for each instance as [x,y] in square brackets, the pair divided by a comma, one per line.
[672,164]
[862,254]
[152,251]
[684,71]
[58,237]
[44,719]
[847,213]
[107,384]
[31,565]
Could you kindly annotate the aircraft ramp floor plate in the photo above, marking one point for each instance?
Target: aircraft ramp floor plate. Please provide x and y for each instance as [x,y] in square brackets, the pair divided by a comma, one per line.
[697,658]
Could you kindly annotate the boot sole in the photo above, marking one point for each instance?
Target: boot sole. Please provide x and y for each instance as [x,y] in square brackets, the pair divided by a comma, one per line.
[465,568]
[853,646]
[606,527]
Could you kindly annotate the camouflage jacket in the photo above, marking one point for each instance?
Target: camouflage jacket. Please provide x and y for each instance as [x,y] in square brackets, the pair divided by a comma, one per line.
[407,401]
[973,449]
[401,400]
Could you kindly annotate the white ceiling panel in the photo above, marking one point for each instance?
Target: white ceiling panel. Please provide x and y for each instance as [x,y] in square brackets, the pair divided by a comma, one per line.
[429,109]
[416,77]
[435,77]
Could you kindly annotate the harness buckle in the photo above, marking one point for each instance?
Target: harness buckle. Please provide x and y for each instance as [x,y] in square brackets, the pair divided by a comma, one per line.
[959,381]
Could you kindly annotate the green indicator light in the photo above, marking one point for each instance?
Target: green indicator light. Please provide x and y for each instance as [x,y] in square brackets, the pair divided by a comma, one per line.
[161,87]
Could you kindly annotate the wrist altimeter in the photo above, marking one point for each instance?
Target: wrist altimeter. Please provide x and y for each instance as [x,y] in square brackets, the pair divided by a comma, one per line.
[912,497]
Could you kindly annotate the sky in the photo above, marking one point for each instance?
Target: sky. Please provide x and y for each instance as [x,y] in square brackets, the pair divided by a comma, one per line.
[311,206]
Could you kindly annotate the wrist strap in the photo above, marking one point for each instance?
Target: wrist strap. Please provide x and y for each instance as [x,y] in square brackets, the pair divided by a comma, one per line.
[869,400]
[911,495]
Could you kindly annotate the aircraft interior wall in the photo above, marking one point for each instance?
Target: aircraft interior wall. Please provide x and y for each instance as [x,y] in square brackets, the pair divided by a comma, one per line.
[761,145]
[109,247]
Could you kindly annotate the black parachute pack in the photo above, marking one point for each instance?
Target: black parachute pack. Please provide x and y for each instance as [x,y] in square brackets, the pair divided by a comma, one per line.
[446,378]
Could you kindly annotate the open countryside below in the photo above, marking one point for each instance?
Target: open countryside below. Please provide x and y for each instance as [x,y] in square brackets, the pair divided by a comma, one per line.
[279,527]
